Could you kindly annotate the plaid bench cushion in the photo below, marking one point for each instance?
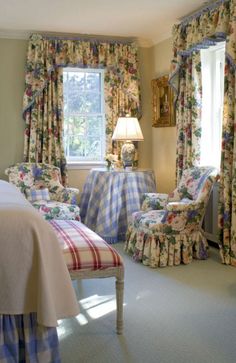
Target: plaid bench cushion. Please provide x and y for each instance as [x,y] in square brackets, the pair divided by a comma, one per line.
[82,248]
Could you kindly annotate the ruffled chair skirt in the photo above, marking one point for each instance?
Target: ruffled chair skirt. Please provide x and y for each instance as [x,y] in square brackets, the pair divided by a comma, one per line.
[160,250]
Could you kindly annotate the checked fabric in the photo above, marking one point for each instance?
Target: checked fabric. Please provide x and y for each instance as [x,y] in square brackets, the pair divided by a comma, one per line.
[83,249]
[23,340]
[110,197]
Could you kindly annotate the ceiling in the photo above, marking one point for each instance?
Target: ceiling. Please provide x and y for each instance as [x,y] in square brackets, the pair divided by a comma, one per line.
[148,20]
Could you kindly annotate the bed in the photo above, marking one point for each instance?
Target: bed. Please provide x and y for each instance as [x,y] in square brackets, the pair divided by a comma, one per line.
[38,259]
[36,288]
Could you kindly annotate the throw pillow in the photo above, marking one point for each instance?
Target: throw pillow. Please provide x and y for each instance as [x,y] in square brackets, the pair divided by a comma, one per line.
[37,194]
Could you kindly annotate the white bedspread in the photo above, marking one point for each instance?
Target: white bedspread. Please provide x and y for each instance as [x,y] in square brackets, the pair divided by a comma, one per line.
[33,274]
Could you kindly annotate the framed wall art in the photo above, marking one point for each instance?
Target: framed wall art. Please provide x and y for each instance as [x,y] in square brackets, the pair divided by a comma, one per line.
[162,103]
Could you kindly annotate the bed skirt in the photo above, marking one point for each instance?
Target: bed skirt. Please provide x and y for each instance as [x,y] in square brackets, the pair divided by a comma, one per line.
[22,340]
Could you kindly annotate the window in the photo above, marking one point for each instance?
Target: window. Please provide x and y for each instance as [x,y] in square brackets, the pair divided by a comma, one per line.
[84,126]
[212,60]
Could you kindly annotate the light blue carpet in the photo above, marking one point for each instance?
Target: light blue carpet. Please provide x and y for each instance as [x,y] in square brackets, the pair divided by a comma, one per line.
[183,314]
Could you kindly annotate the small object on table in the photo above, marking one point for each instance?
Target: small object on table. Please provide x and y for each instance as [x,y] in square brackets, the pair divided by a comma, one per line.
[111,160]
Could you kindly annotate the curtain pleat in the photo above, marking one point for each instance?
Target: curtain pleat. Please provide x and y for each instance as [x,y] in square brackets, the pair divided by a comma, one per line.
[44,126]
[188,114]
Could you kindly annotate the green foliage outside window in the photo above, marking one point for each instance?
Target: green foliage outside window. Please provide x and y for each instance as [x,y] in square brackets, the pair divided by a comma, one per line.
[83,117]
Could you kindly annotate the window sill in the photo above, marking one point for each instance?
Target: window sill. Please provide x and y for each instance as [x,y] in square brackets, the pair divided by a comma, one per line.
[85,165]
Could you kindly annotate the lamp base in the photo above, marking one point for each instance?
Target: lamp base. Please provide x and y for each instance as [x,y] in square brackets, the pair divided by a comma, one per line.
[127,154]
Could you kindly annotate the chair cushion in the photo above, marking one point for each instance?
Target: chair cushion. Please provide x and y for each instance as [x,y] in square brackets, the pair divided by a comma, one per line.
[57,210]
[37,194]
[147,219]
[83,249]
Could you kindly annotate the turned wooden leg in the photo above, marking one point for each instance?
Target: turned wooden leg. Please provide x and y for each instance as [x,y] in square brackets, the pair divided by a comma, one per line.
[119,305]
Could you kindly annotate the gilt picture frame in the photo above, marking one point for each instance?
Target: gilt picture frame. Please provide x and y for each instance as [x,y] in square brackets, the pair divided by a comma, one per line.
[162,103]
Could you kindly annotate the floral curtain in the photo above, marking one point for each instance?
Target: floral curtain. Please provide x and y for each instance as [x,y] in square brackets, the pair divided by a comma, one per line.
[44,125]
[188,114]
[216,22]
[43,96]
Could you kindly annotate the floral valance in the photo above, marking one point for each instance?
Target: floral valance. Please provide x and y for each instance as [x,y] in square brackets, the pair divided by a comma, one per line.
[214,23]
[45,54]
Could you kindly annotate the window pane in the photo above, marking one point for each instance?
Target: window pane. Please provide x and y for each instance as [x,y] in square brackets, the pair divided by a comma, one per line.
[94,125]
[93,81]
[93,103]
[93,148]
[76,79]
[75,146]
[212,60]
[74,125]
[84,131]
[88,148]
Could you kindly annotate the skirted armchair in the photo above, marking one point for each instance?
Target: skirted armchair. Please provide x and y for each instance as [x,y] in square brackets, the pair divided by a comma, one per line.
[168,229]
[41,185]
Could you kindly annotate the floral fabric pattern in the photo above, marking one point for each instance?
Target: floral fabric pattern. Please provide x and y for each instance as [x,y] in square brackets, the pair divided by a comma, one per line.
[43,96]
[56,210]
[227,205]
[44,126]
[188,114]
[216,22]
[173,235]
[28,176]
[152,201]
[212,24]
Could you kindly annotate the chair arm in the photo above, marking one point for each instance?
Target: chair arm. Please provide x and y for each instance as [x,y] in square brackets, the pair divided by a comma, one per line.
[179,215]
[68,195]
[184,206]
[154,201]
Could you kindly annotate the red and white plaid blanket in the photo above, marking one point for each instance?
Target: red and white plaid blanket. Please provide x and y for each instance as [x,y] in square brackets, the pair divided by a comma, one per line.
[82,248]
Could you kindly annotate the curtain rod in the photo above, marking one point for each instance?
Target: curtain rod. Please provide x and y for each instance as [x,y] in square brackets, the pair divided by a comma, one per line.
[207,5]
[86,37]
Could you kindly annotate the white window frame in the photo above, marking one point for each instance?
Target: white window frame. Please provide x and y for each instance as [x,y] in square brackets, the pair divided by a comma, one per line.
[74,162]
[212,60]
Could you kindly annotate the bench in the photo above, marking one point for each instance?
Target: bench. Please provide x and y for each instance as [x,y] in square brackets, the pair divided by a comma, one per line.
[88,256]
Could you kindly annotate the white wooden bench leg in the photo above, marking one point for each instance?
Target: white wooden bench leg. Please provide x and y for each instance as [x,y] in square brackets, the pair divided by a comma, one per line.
[119,304]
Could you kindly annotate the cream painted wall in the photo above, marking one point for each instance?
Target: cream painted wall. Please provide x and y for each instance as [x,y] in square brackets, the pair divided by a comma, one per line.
[163,138]
[13,53]
[77,177]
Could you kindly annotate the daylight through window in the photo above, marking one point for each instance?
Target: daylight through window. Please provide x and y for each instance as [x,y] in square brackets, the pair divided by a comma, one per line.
[84,128]
[212,60]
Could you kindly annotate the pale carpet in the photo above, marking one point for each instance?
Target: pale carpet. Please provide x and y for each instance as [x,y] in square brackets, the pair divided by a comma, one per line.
[183,314]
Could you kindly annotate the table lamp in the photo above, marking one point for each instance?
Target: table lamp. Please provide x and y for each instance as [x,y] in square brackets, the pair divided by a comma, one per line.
[127,129]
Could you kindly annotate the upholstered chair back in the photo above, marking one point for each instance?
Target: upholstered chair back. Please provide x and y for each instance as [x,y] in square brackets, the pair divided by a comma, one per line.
[36,175]
[194,183]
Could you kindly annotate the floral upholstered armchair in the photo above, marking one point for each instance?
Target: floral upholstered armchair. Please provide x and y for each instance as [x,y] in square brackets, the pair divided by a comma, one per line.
[41,185]
[168,229]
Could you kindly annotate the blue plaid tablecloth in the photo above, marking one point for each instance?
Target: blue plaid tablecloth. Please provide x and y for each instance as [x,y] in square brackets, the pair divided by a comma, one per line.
[110,197]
